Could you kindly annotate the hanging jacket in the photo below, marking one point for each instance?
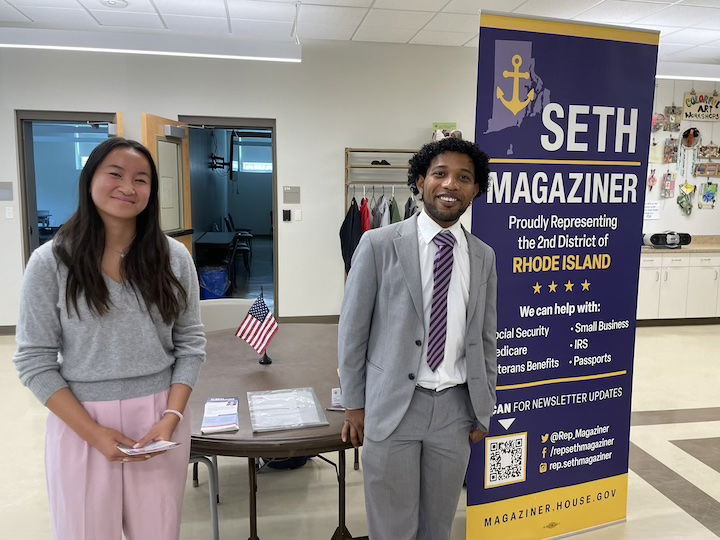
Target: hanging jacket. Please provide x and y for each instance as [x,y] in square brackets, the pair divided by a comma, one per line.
[410,208]
[394,211]
[350,233]
[365,215]
[377,212]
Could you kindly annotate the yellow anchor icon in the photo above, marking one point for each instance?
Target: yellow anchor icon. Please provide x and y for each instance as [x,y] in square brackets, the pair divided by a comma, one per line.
[515,105]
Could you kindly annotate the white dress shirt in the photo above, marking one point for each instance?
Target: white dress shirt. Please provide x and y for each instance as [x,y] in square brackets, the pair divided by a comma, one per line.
[452,370]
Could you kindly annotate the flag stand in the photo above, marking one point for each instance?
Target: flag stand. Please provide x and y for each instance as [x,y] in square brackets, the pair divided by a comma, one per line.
[265,360]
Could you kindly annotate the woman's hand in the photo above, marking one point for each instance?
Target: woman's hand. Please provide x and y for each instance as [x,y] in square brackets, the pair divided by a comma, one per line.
[162,431]
[105,440]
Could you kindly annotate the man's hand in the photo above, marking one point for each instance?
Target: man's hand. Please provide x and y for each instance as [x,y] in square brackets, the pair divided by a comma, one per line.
[476,435]
[354,426]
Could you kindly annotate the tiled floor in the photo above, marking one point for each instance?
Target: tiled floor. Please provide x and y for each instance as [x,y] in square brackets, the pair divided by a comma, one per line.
[260,277]
[674,478]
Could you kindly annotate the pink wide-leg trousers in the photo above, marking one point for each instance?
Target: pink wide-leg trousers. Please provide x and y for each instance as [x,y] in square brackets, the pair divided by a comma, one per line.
[94,499]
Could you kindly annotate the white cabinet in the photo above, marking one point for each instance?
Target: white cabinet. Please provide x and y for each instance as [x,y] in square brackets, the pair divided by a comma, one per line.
[704,281]
[673,292]
[649,287]
[678,285]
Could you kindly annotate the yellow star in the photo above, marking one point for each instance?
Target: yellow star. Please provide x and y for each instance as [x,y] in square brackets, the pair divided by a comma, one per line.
[585,285]
[569,286]
[553,286]
[537,288]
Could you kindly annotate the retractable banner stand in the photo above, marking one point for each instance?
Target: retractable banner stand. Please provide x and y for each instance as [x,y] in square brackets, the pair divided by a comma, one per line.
[563,111]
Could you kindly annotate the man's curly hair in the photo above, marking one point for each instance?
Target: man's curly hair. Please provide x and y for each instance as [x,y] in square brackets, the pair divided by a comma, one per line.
[420,162]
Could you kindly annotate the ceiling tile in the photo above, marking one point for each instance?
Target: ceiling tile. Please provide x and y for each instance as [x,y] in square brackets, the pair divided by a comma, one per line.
[703,55]
[692,36]
[60,17]
[432,37]
[473,42]
[679,15]
[8,14]
[197,25]
[664,30]
[69,4]
[324,31]
[401,20]
[563,9]
[671,48]
[331,15]
[272,30]
[474,6]
[619,12]
[454,22]
[385,35]
[135,6]
[704,3]
[206,8]
[264,11]
[345,3]
[123,18]
[410,5]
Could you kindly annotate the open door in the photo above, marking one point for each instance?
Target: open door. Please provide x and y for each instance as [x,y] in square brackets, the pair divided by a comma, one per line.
[169,143]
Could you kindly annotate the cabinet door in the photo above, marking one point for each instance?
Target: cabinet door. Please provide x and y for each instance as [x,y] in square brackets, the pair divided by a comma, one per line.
[648,293]
[702,291]
[673,292]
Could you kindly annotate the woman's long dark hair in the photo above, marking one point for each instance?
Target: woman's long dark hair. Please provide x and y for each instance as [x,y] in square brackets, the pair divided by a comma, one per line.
[80,244]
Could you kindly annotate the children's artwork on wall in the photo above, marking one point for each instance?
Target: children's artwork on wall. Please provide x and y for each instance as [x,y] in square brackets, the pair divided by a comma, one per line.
[651,181]
[656,151]
[658,121]
[709,151]
[708,196]
[670,150]
[667,186]
[684,200]
[673,115]
[707,169]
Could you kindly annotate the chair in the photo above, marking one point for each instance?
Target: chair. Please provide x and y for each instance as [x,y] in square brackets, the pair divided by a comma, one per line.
[243,240]
[220,314]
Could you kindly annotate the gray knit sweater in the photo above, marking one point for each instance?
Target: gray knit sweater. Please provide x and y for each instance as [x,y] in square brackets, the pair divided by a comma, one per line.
[126,353]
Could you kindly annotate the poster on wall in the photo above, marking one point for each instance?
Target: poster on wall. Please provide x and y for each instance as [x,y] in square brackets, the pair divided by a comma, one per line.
[563,111]
[701,107]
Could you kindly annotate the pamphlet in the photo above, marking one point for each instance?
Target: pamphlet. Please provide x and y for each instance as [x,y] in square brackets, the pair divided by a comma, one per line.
[289,408]
[151,448]
[221,414]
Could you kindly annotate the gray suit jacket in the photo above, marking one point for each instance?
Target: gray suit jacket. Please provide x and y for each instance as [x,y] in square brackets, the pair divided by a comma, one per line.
[382,329]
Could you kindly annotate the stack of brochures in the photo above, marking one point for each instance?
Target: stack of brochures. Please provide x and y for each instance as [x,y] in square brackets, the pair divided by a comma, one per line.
[221,414]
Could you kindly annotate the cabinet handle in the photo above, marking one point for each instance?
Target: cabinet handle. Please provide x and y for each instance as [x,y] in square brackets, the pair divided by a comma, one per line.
[665,275]
[657,275]
[716,275]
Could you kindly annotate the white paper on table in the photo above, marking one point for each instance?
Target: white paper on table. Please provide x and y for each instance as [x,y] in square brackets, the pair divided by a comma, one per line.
[290,408]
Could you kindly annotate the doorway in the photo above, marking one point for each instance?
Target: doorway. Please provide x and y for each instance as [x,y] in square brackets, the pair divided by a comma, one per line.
[53,149]
[233,186]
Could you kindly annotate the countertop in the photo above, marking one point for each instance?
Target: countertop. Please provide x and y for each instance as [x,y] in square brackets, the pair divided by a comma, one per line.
[699,244]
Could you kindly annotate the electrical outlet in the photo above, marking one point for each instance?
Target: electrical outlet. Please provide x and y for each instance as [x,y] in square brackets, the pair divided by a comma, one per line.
[9,214]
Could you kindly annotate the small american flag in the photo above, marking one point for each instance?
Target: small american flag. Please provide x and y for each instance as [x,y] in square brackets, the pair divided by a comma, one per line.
[258,327]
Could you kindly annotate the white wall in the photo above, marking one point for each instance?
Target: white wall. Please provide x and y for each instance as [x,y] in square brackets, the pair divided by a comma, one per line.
[342,94]
[700,221]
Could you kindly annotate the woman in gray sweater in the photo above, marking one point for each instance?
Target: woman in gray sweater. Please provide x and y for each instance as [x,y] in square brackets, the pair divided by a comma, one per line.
[110,340]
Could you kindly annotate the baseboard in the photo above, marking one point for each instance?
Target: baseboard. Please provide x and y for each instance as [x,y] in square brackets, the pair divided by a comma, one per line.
[318,319]
[679,322]
[7,330]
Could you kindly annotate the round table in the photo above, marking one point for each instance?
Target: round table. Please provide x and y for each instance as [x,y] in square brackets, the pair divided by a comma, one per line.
[304,355]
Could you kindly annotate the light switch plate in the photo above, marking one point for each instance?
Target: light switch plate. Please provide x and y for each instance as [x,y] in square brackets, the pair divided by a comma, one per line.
[297,214]
[9,214]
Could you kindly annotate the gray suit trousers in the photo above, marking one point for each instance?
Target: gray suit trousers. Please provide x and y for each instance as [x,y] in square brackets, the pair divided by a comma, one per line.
[413,479]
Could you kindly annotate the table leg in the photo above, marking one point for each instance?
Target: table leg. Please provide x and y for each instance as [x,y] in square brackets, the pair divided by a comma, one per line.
[342,533]
[252,476]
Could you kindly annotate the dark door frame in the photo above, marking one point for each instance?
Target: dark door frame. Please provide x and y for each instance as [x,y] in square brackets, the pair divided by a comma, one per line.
[26,165]
[228,122]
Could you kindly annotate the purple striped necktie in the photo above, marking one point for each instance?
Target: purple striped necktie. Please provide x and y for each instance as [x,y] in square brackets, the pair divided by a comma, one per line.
[442,271]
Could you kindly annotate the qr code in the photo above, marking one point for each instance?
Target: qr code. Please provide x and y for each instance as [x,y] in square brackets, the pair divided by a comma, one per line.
[505,459]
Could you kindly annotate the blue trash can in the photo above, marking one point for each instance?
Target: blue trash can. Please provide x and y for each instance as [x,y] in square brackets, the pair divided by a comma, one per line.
[214,282]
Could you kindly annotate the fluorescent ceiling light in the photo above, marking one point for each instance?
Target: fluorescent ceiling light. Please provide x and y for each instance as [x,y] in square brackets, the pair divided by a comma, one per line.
[686,71]
[153,44]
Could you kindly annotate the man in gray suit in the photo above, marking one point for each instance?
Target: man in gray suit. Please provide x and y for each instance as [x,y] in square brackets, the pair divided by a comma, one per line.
[417,349]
